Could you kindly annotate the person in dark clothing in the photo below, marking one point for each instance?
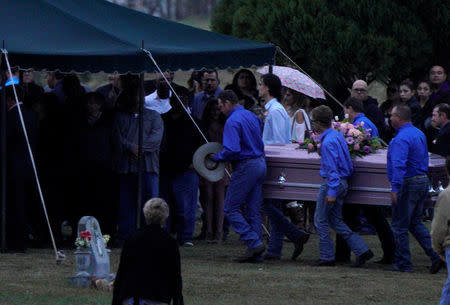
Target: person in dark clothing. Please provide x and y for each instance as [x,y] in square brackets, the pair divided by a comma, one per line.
[149,269]
[407,96]
[393,99]
[32,91]
[110,91]
[441,119]
[94,146]
[439,85]
[371,110]
[125,154]
[179,181]
[50,160]
[19,172]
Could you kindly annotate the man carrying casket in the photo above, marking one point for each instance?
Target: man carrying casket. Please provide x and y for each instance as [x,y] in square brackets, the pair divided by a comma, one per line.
[407,167]
[336,168]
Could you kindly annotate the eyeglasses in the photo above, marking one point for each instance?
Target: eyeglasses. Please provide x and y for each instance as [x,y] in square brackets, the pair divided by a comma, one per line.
[359,90]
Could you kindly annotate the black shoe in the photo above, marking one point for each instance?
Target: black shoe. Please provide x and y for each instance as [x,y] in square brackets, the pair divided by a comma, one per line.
[270,257]
[436,265]
[363,258]
[323,263]
[385,261]
[251,254]
[299,246]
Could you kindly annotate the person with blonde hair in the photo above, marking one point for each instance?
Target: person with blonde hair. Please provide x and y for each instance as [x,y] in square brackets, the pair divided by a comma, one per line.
[149,269]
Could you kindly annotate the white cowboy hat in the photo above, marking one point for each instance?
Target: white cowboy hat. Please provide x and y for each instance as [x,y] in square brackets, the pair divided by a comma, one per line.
[208,169]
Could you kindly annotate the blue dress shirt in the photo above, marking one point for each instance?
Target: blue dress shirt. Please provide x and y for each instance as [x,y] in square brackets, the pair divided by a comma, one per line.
[367,124]
[277,124]
[407,155]
[336,162]
[199,102]
[241,136]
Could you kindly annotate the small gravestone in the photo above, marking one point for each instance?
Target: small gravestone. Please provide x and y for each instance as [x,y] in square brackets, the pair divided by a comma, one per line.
[92,257]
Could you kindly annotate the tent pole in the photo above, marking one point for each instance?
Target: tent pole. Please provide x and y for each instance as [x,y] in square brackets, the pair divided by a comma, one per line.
[3,153]
[140,152]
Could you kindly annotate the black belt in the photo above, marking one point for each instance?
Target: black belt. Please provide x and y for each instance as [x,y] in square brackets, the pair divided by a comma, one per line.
[415,177]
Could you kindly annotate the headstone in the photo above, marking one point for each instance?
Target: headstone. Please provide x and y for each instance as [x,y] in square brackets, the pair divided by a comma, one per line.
[92,261]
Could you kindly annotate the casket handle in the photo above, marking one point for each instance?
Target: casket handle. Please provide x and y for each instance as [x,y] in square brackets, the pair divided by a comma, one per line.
[281,180]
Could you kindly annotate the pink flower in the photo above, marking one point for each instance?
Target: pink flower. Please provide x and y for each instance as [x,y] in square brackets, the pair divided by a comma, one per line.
[319,146]
[350,140]
[310,146]
[356,146]
[360,138]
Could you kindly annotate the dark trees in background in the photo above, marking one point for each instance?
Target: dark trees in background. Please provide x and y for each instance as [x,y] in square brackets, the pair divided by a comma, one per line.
[339,41]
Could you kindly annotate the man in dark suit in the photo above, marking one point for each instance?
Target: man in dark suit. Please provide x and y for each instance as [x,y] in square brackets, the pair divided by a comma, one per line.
[19,169]
[441,119]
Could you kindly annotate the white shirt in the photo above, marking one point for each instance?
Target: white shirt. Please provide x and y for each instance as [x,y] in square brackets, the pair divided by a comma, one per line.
[153,102]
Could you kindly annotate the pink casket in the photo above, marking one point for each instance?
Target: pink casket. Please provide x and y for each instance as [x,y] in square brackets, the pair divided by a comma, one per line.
[294,174]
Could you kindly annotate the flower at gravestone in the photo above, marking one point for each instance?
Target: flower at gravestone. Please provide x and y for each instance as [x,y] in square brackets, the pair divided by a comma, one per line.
[84,240]
[358,139]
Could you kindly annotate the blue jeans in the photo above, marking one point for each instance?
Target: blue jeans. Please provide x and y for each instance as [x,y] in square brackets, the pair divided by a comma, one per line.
[445,297]
[280,226]
[181,194]
[331,215]
[128,199]
[407,216]
[245,191]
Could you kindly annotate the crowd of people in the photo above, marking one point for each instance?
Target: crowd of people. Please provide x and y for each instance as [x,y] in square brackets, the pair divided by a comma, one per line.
[87,152]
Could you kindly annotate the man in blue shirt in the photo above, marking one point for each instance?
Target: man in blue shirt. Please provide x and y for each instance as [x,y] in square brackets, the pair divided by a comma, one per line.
[336,168]
[276,124]
[407,167]
[354,108]
[374,214]
[210,81]
[243,147]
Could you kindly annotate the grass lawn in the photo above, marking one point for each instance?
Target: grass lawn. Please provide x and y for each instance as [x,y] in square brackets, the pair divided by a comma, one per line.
[210,277]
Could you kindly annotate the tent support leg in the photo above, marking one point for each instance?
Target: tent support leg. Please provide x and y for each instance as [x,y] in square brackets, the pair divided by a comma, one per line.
[140,152]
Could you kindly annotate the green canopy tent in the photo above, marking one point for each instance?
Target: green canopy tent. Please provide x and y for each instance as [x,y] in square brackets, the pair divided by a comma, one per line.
[95,35]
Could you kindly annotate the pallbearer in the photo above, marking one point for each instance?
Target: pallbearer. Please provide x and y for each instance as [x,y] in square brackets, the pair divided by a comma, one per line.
[407,167]
[243,147]
[336,168]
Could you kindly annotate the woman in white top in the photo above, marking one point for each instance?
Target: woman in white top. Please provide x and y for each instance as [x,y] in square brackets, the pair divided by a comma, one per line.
[295,104]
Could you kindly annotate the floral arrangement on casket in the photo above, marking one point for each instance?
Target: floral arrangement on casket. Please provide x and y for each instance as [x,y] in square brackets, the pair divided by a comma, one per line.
[84,240]
[359,140]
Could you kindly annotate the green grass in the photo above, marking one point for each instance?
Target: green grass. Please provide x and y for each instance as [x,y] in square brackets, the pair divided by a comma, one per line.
[211,277]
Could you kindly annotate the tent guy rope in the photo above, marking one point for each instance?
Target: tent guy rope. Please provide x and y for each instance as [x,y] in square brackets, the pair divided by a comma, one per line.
[60,256]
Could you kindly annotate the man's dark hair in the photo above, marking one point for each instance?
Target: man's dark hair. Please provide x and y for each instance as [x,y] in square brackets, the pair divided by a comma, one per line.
[210,71]
[443,108]
[404,112]
[228,95]
[323,115]
[9,93]
[439,65]
[272,82]
[356,104]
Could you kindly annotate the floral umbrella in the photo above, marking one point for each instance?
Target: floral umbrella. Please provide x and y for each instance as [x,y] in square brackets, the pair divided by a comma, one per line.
[295,80]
